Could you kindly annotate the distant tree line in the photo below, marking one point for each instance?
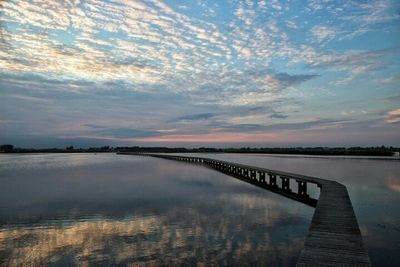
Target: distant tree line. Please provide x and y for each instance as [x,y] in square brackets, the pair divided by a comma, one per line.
[353,151]
[69,149]
[359,151]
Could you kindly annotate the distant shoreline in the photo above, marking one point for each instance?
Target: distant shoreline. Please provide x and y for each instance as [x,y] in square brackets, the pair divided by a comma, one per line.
[382,151]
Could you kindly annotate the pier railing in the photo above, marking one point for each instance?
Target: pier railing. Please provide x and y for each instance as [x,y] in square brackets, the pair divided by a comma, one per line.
[334,237]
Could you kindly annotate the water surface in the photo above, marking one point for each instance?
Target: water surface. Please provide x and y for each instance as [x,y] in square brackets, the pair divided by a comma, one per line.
[107,209]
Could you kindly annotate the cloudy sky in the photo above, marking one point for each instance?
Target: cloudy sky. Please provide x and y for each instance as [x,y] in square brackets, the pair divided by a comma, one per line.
[195,73]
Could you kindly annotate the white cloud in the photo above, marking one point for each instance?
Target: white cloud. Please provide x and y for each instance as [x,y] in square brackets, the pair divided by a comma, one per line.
[150,43]
[393,116]
[323,33]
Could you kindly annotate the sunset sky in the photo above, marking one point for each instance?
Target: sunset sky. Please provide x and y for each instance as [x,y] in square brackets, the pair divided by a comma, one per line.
[199,73]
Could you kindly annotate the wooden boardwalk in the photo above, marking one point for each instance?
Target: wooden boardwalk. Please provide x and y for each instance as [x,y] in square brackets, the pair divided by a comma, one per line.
[334,237]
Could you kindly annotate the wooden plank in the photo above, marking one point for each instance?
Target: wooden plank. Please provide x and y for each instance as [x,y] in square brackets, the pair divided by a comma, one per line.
[334,237]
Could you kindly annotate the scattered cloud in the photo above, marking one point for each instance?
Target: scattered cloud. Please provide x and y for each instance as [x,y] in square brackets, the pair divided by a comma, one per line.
[158,70]
[393,116]
[352,64]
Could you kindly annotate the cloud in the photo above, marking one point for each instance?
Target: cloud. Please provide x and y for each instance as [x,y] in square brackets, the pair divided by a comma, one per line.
[369,16]
[323,33]
[353,64]
[393,116]
[124,133]
[294,79]
[94,126]
[353,18]
[195,117]
[150,43]
[250,87]
[94,54]
[292,25]
[27,98]
[271,127]
[278,116]
[148,69]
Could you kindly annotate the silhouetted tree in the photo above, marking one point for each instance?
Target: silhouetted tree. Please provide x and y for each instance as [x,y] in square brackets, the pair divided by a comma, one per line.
[6,148]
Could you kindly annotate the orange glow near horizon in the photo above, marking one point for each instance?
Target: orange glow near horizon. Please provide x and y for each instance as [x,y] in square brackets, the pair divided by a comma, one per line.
[219,137]
[200,138]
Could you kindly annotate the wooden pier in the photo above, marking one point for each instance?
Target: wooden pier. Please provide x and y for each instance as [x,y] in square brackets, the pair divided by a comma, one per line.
[334,237]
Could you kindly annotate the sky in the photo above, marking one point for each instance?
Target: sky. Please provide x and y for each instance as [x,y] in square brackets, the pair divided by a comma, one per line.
[199,73]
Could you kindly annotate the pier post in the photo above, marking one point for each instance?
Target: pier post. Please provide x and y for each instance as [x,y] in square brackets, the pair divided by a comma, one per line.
[272,179]
[253,174]
[261,177]
[285,183]
[302,188]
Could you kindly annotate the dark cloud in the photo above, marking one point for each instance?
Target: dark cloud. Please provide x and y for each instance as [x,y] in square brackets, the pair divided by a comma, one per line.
[94,126]
[276,127]
[245,127]
[256,109]
[195,117]
[278,116]
[126,133]
[290,80]
[303,125]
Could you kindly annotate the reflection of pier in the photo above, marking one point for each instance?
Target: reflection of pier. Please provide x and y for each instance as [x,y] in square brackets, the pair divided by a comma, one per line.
[334,238]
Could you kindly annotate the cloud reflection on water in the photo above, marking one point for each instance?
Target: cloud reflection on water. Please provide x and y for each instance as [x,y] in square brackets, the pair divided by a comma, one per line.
[140,211]
[175,238]
[393,183]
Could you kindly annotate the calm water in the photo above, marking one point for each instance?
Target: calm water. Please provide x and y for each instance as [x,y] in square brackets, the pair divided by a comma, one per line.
[107,209]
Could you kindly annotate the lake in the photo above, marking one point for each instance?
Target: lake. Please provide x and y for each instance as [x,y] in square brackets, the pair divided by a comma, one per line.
[108,209]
